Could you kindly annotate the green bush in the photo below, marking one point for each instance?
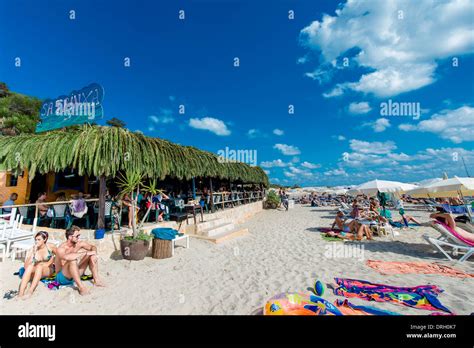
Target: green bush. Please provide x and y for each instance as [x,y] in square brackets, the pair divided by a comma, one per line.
[140,236]
[273,201]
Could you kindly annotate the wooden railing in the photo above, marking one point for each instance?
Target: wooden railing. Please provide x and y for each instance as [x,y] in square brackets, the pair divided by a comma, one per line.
[36,205]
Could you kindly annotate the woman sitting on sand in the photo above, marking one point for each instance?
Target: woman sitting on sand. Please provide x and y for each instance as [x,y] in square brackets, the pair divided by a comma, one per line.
[39,263]
[353,230]
[448,219]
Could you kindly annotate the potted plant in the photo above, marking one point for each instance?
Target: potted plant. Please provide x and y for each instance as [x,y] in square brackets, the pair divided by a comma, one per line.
[272,200]
[136,246]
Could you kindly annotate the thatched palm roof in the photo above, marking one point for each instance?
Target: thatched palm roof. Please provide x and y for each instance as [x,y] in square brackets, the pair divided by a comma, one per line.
[99,150]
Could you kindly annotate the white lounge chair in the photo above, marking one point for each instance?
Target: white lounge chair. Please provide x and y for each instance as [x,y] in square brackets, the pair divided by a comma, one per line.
[451,239]
[15,233]
[175,239]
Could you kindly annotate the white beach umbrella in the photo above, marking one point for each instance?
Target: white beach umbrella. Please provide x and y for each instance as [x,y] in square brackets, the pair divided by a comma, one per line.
[341,191]
[446,188]
[421,189]
[371,188]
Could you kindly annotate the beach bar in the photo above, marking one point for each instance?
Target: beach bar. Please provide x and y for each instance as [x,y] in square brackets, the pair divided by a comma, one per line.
[103,153]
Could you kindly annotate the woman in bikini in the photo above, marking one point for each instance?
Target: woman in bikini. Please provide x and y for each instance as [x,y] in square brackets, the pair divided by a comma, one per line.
[448,219]
[39,263]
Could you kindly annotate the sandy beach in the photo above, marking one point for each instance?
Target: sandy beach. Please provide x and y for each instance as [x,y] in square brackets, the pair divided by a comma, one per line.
[284,252]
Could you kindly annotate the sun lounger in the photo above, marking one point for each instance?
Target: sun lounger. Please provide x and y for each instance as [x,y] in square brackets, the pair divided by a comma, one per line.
[15,233]
[450,238]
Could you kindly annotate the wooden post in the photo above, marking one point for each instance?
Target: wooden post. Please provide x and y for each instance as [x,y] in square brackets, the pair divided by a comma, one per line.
[102,193]
[161,249]
[212,199]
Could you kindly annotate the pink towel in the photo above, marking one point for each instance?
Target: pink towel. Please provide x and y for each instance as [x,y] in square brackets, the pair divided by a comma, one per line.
[394,267]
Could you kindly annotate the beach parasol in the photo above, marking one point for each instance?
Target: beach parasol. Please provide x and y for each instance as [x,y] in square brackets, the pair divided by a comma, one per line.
[453,187]
[371,188]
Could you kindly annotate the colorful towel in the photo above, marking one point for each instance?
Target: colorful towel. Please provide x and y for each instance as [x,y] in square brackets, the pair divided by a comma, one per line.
[331,239]
[348,308]
[421,297]
[395,267]
[50,281]
[52,284]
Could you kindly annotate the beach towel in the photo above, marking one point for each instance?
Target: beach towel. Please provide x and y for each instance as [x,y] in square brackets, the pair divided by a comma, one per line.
[395,267]
[348,308]
[327,238]
[455,209]
[50,282]
[165,233]
[420,297]
[331,239]
[400,225]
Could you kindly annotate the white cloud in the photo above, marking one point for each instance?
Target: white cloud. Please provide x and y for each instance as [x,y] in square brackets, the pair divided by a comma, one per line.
[165,116]
[254,133]
[400,53]
[375,147]
[336,172]
[359,108]
[300,173]
[335,92]
[379,125]
[211,124]
[339,137]
[302,60]
[274,163]
[288,150]
[277,131]
[454,125]
[310,165]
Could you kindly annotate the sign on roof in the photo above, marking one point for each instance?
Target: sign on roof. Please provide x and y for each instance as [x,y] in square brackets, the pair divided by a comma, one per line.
[79,107]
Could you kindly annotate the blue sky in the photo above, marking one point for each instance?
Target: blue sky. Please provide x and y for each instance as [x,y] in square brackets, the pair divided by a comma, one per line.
[334,62]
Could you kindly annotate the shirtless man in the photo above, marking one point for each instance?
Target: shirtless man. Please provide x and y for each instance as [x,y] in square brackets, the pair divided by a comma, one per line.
[73,257]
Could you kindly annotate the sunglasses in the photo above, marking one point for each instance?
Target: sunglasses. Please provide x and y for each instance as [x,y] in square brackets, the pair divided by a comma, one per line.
[77,236]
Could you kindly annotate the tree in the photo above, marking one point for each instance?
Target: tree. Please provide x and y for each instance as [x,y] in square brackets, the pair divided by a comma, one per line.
[19,113]
[115,122]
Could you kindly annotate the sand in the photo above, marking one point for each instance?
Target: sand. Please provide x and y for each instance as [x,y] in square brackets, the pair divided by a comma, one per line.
[284,252]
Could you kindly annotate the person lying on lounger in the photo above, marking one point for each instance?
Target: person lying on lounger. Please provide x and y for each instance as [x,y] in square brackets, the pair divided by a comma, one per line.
[39,263]
[448,219]
[73,257]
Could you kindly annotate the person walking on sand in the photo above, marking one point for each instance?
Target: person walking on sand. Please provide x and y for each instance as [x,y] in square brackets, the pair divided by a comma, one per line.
[284,199]
[73,257]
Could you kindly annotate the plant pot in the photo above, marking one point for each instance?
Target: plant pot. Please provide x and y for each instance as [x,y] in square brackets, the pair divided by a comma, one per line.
[134,249]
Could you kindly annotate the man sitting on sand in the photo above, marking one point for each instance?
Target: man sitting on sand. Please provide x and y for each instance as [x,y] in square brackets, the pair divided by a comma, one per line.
[73,257]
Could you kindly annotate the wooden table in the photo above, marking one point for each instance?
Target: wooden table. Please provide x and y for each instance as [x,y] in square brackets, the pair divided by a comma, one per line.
[191,209]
